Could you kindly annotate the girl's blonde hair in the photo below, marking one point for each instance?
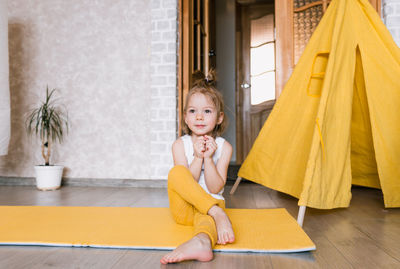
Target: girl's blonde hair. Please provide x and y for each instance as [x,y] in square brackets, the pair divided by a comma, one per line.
[206,85]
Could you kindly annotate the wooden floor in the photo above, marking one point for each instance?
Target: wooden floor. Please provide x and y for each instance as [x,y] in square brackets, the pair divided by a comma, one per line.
[365,235]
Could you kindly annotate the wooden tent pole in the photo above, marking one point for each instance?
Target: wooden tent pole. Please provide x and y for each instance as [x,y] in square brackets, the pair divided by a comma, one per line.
[324,5]
[235,185]
[300,215]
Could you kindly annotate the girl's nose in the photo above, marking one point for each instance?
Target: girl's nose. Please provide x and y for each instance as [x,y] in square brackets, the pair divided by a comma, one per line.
[199,116]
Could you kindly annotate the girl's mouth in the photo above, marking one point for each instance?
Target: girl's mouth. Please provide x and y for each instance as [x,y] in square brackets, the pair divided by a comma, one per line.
[200,126]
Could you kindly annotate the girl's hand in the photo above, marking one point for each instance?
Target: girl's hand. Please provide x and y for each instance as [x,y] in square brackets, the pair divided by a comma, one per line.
[199,147]
[210,146]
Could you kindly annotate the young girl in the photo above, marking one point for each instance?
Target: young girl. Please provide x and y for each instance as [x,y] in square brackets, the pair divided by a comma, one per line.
[196,182]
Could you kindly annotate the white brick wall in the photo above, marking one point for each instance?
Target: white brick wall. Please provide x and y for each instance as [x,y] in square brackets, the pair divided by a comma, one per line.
[163,85]
[391,18]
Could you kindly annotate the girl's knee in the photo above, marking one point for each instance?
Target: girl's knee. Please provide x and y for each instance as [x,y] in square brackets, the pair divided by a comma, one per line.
[178,172]
[177,169]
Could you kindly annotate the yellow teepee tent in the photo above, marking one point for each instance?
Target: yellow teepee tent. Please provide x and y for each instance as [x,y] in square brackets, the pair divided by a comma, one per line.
[337,122]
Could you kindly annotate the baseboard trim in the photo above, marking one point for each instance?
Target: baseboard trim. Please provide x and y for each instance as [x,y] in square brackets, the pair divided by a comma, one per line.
[89,182]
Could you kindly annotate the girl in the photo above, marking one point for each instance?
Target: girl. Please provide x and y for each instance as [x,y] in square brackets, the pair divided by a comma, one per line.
[196,183]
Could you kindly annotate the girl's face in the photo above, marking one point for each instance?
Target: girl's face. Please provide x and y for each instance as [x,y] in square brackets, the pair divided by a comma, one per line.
[201,115]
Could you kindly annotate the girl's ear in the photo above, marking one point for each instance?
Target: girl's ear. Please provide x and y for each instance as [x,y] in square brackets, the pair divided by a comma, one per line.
[220,118]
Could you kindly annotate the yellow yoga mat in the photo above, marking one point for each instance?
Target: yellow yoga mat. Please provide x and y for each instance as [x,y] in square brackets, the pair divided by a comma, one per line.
[256,230]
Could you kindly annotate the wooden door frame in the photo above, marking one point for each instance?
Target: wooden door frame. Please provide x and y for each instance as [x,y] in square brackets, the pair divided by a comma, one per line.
[284,46]
[377,4]
[184,57]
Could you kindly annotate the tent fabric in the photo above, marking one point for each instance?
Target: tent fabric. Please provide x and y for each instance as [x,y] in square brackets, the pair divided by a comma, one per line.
[4,84]
[337,120]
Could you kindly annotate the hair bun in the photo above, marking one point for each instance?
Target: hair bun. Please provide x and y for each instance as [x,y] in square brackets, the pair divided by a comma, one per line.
[200,79]
[211,77]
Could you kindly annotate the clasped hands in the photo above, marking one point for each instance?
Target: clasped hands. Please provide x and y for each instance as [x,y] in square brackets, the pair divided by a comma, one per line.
[204,147]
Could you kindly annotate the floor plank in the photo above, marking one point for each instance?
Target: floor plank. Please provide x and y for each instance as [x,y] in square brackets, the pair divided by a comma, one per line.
[81,258]
[24,257]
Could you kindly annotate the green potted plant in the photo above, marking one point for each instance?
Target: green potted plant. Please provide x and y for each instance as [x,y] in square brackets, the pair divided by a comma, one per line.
[49,122]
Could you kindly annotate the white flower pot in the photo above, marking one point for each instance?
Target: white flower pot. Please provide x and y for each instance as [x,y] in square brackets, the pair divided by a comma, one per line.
[48,178]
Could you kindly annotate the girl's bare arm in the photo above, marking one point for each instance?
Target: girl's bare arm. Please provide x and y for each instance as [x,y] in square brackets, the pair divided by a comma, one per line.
[215,175]
[178,154]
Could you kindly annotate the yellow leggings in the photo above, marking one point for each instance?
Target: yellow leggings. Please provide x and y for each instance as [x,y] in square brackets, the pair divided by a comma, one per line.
[189,202]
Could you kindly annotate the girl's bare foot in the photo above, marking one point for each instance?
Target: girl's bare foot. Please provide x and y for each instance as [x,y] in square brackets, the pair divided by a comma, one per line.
[224,226]
[197,248]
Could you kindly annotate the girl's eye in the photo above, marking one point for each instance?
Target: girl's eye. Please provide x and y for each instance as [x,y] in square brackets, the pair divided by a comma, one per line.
[208,111]
[191,110]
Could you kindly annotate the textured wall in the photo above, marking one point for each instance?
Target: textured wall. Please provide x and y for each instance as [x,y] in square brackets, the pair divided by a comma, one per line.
[4,83]
[98,54]
[391,15]
[163,85]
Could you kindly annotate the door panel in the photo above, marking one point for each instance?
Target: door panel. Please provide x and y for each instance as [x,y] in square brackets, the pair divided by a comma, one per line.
[256,72]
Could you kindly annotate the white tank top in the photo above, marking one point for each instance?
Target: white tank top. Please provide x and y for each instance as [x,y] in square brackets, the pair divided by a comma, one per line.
[189,153]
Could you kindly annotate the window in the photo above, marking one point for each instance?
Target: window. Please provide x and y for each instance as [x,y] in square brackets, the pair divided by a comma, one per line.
[262,59]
